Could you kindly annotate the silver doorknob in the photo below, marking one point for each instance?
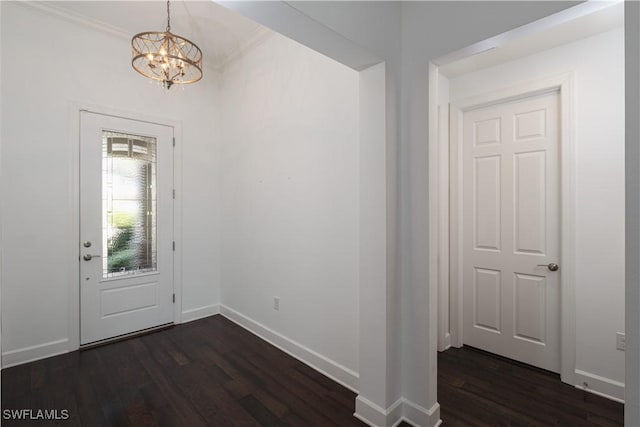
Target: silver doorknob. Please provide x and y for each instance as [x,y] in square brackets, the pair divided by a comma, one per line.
[88,257]
[551,266]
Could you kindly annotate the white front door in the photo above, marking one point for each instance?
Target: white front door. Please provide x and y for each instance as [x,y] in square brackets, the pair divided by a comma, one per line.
[126,226]
[511,287]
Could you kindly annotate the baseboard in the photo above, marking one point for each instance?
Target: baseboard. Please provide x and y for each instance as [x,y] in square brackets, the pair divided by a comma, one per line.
[33,353]
[376,416]
[200,312]
[601,386]
[320,363]
[419,416]
[54,348]
[446,343]
[402,410]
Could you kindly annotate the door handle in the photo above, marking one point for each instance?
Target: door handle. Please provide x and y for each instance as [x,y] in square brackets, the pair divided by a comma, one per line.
[88,257]
[551,266]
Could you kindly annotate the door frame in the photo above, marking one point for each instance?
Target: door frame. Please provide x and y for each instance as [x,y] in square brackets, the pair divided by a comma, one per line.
[448,178]
[75,110]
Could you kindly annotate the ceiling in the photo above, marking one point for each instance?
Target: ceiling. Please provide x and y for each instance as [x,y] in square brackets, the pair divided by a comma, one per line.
[222,34]
[608,16]
[218,31]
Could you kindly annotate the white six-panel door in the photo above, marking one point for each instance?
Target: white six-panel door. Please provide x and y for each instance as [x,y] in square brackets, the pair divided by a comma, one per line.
[510,214]
[126,226]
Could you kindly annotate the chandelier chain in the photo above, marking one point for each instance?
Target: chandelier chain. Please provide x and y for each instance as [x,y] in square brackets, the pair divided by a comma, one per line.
[168,18]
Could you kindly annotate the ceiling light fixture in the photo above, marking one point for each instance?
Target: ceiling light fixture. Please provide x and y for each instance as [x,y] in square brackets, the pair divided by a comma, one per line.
[166,57]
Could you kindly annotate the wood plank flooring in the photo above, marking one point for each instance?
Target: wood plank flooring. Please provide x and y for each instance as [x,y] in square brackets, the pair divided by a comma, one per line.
[212,372]
[209,372]
[480,389]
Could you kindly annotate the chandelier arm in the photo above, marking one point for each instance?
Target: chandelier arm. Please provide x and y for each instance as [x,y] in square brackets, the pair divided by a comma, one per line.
[166,57]
[175,76]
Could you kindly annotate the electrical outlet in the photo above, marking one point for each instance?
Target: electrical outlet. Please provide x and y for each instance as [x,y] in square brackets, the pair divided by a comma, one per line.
[276,303]
[621,341]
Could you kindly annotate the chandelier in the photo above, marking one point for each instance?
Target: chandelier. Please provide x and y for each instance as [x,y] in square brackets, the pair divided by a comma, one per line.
[166,57]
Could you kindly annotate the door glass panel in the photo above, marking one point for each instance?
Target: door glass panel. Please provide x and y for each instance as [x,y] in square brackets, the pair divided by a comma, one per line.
[128,204]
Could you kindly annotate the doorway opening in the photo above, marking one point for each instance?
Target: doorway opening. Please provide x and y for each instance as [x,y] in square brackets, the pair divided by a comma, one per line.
[127,180]
[503,200]
[506,183]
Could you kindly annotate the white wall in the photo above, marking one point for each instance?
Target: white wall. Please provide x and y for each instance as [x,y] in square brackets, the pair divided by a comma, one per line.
[427,32]
[290,185]
[291,180]
[43,72]
[430,30]
[598,63]
[378,376]
[407,36]
[632,241]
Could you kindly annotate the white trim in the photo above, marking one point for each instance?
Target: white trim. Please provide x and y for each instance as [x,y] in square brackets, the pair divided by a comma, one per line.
[568,227]
[51,8]
[402,410]
[75,108]
[435,234]
[177,220]
[444,336]
[417,415]
[259,36]
[453,178]
[600,386]
[376,416]
[34,352]
[563,83]
[439,200]
[200,312]
[435,230]
[329,368]
[73,288]
[395,413]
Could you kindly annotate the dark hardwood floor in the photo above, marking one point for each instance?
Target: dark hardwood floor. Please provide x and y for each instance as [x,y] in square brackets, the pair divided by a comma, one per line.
[212,372]
[479,389]
[208,372]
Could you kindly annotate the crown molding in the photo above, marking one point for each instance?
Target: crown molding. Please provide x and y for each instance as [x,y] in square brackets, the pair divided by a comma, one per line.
[69,15]
[49,7]
[259,36]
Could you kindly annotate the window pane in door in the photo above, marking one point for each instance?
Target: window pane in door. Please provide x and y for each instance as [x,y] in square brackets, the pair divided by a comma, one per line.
[128,204]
